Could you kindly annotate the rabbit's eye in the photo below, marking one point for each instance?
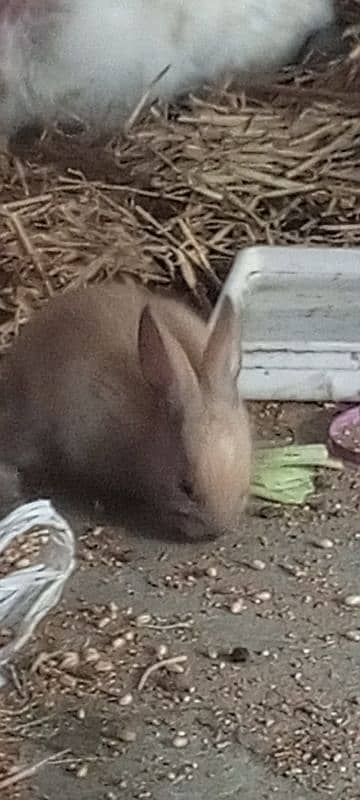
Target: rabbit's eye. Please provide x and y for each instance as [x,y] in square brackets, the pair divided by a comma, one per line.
[188,489]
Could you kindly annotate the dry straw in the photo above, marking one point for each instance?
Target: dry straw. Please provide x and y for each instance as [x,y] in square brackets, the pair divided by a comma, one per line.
[173,199]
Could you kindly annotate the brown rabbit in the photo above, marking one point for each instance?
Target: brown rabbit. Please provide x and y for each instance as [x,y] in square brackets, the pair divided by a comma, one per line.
[133,395]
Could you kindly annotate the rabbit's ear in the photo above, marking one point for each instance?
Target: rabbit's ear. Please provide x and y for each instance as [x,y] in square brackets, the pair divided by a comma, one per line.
[164,364]
[221,361]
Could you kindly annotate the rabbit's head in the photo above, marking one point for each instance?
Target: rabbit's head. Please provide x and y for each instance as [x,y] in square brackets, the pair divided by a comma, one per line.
[209,421]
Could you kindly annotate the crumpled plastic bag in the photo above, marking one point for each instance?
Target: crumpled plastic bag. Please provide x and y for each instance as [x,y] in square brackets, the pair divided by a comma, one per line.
[28,595]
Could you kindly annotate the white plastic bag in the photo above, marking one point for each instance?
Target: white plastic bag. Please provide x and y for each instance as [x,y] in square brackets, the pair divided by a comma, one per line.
[28,595]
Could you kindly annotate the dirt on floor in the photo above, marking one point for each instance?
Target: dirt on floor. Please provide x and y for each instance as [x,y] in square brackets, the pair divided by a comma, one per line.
[219,671]
[213,671]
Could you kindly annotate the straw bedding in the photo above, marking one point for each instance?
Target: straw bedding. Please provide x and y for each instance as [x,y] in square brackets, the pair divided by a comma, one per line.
[174,198]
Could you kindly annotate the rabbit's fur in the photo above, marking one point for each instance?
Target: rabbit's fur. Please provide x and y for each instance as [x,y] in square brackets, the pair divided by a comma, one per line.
[132,395]
[95,60]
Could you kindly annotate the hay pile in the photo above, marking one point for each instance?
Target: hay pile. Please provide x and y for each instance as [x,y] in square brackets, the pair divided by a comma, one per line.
[174,199]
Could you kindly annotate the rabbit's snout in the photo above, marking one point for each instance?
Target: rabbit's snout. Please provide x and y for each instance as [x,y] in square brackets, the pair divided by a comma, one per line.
[191,523]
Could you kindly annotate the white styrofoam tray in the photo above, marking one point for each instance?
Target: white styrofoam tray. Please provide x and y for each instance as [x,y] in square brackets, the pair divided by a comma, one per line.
[301,322]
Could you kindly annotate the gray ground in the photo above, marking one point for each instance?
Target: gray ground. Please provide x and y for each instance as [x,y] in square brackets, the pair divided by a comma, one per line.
[268,700]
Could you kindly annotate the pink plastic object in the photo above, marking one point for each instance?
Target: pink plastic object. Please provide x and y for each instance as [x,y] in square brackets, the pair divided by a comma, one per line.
[345,434]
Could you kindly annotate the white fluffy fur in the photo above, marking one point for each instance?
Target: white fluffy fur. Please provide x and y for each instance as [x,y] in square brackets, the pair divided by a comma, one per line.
[96,58]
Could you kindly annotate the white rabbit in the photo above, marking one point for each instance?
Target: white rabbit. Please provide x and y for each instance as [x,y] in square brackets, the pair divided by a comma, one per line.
[96,59]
